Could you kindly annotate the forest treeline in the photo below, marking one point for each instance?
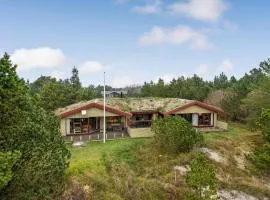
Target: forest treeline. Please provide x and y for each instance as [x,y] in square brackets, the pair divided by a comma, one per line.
[238,97]
[242,99]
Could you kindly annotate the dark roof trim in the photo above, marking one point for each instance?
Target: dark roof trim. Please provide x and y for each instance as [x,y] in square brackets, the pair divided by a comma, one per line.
[95,105]
[195,103]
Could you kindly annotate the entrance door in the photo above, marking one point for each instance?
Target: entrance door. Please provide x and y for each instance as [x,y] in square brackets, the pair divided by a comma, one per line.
[92,124]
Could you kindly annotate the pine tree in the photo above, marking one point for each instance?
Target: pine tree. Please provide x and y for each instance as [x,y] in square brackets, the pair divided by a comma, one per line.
[75,80]
[34,134]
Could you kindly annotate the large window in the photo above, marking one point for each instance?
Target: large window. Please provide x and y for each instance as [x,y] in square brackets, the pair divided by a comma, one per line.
[141,120]
[187,116]
[205,119]
[83,125]
[140,117]
[114,123]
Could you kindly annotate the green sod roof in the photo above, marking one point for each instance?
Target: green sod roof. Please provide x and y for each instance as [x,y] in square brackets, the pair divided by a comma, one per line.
[132,104]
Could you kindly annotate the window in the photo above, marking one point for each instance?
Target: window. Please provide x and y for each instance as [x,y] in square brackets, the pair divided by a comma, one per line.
[83,125]
[139,117]
[205,119]
[141,120]
[187,117]
[75,126]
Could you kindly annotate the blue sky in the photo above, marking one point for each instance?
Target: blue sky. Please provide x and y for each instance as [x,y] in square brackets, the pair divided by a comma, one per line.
[134,40]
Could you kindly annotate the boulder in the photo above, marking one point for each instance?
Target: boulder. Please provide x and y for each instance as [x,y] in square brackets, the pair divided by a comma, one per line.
[213,155]
[234,194]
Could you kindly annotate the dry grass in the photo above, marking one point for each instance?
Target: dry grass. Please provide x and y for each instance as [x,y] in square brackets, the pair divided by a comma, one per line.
[146,170]
[235,145]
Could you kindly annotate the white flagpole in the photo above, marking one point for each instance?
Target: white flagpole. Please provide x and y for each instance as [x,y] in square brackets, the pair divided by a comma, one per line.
[104,112]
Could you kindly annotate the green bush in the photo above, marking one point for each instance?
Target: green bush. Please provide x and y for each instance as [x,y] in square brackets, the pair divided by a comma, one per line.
[201,179]
[175,134]
[263,124]
[7,160]
[39,173]
[261,159]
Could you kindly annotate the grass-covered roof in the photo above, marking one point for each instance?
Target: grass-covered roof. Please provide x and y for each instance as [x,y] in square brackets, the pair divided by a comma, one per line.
[132,104]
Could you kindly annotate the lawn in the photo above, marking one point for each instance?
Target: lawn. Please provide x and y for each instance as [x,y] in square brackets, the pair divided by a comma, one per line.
[236,133]
[88,159]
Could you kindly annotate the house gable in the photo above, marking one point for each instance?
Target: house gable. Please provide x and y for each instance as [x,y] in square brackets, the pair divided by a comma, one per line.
[195,107]
[94,110]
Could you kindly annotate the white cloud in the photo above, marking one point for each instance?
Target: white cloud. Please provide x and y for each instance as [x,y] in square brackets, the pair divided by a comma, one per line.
[91,67]
[153,8]
[225,66]
[177,35]
[156,36]
[205,10]
[122,81]
[42,57]
[207,72]
[202,70]
[58,75]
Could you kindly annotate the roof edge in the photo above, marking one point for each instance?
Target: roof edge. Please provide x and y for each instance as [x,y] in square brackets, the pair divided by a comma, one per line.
[95,105]
[195,103]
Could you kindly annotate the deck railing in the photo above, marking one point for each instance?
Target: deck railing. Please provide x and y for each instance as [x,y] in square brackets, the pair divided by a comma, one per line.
[96,135]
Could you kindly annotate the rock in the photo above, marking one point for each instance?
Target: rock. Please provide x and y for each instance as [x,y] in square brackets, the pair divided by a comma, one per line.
[212,155]
[182,169]
[235,195]
[78,144]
